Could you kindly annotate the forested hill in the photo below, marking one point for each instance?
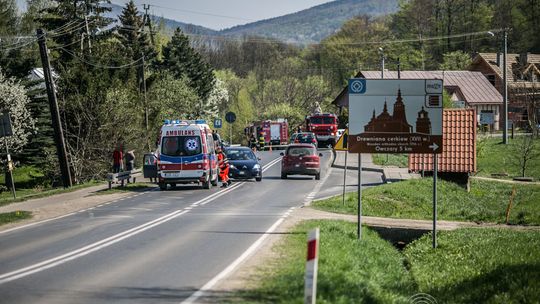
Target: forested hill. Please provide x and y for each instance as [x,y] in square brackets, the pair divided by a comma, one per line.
[316,23]
[306,26]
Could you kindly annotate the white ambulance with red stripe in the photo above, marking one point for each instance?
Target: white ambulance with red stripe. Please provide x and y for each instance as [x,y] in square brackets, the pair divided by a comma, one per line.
[186,154]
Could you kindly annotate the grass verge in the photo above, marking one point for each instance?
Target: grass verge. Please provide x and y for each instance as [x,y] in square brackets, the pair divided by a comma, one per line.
[486,202]
[470,266]
[494,158]
[14,216]
[25,194]
[398,160]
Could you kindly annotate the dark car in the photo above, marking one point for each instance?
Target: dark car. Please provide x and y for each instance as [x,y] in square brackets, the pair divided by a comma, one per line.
[244,164]
[301,159]
[305,138]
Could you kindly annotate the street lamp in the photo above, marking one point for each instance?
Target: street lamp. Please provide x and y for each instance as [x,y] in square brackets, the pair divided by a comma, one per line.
[505,86]
[381,51]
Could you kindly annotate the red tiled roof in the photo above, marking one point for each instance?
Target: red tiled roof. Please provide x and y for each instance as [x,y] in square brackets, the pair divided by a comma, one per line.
[459,144]
[474,86]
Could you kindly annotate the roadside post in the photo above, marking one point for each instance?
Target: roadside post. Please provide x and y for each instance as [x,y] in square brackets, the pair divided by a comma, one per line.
[312,261]
[5,122]
[395,116]
[341,145]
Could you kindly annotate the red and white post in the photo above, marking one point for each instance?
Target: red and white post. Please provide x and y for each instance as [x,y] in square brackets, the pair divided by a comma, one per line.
[310,282]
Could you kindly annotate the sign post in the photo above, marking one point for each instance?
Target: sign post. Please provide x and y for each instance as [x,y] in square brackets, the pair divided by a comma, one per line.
[230,117]
[341,145]
[395,116]
[310,280]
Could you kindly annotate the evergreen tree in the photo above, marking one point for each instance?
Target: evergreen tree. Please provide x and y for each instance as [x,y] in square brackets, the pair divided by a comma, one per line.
[182,60]
[8,17]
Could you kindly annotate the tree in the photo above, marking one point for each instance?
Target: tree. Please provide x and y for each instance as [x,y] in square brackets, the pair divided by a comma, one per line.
[455,61]
[181,60]
[526,151]
[217,99]
[8,17]
[14,100]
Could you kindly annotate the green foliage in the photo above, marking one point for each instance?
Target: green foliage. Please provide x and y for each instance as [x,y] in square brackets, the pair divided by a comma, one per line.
[455,61]
[478,266]
[350,271]
[486,202]
[398,160]
[493,157]
[180,59]
[8,17]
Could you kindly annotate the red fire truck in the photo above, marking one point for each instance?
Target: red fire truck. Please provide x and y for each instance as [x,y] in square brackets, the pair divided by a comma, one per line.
[325,126]
[274,132]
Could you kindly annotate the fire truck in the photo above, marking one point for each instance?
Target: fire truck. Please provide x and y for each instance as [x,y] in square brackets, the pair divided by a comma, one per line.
[325,126]
[274,132]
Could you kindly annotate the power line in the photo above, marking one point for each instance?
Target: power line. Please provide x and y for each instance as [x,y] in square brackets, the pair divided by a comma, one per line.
[202,13]
[97,65]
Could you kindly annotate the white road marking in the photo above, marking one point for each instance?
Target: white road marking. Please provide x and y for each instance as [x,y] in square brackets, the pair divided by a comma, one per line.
[223,274]
[77,253]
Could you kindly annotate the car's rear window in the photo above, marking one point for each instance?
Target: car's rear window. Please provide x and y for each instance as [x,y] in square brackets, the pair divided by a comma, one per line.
[300,151]
[240,154]
[181,145]
[304,138]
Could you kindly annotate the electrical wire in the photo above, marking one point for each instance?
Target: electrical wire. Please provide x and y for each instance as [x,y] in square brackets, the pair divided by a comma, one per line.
[201,13]
[133,63]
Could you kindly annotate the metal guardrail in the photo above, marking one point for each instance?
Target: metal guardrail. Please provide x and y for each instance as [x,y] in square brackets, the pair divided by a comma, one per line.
[123,176]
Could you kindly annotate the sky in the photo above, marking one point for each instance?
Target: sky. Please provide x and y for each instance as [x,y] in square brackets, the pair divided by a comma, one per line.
[218,14]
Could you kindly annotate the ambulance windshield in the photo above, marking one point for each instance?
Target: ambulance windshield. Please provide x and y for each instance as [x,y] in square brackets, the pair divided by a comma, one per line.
[181,145]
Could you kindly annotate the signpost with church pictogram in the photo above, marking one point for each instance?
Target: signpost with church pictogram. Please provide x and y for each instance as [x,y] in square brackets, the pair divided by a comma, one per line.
[398,116]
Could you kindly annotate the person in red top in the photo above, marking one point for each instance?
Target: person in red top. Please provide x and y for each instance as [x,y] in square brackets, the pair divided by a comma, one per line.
[118,158]
[223,164]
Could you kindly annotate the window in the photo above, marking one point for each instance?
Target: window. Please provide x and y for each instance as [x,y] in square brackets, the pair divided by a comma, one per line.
[322,120]
[240,154]
[491,79]
[181,145]
[301,151]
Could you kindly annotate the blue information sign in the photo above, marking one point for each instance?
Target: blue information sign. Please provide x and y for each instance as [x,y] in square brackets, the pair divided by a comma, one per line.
[218,123]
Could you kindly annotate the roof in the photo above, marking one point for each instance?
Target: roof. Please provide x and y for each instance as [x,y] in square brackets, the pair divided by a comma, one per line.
[473,86]
[511,61]
[459,144]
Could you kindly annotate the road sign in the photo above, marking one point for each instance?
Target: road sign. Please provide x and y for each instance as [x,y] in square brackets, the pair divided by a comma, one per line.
[341,144]
[486,118]
[230,117]
[218,123]
[395,115]
[5,125]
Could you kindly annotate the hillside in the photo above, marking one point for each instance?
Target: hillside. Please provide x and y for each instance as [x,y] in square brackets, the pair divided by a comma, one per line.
[304,27]
[313,24]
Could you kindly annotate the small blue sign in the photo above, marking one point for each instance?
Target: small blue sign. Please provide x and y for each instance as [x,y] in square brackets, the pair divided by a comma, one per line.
[357,86]
[217,123]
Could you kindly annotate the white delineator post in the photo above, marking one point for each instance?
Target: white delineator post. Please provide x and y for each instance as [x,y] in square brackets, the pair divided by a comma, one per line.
[310,282]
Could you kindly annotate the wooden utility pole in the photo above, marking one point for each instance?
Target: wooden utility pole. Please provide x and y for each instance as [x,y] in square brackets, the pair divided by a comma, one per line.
[55,113]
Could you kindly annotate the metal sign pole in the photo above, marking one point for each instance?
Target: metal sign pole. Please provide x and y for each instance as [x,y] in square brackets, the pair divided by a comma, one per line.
[359,232]
[434,201]
[345,177]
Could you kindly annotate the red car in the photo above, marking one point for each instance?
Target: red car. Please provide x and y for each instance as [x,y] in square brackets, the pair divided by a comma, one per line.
[301,159]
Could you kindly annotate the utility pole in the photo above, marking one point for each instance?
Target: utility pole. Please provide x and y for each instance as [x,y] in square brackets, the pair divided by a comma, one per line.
[147,21]
[398,69]
[55,113]
[381,51]
[145,100]
[505,88]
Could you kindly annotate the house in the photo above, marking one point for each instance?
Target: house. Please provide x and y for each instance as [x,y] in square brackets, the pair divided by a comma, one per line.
[523,74]
[467,89]
[458,159]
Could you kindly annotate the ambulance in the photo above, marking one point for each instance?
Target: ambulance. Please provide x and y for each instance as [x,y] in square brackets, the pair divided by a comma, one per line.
[186,154]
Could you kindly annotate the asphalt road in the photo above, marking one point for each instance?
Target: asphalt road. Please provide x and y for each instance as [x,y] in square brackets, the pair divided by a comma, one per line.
[156,246]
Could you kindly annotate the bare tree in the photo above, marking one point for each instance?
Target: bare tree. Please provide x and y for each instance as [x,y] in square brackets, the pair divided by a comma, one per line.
[525,151]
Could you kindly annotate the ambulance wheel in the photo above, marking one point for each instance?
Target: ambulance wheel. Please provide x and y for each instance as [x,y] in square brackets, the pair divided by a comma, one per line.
[258,179]
[207,184]
[162,186]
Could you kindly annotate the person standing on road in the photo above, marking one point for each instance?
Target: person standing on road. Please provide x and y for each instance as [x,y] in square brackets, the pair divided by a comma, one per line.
[118,158]
[223,164]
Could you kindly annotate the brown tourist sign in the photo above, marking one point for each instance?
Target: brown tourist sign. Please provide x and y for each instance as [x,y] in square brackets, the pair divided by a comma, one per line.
[395,115]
